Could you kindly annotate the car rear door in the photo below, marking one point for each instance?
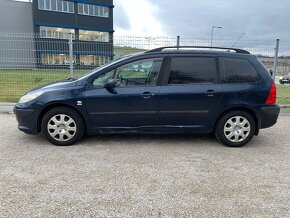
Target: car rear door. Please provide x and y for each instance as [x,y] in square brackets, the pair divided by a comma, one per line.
[190,95]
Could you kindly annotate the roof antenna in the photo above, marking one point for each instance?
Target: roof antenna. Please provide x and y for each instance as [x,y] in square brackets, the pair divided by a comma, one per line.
[236,42]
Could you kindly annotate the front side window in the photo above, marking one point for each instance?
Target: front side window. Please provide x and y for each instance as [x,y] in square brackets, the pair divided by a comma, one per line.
[236,70]
[102,79]
[139,73]
[190,70]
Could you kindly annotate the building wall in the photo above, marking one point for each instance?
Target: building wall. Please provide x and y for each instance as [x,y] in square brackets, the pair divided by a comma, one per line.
[43,17]
[16,16]
[77,22]
[16,50]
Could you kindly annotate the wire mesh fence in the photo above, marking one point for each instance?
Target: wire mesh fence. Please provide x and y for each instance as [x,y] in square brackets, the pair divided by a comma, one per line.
[29,60]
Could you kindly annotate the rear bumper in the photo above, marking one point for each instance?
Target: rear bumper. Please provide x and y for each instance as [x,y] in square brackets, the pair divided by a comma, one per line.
[27,119]
[269,115]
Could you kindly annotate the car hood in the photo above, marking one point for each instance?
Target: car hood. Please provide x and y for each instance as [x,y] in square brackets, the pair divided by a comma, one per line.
[56,85]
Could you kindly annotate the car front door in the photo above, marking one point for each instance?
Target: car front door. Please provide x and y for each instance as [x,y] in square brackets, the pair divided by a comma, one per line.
[190,96]
[132,102]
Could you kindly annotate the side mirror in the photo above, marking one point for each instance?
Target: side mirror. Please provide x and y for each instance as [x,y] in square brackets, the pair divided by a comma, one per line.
[111,84]
[271,71]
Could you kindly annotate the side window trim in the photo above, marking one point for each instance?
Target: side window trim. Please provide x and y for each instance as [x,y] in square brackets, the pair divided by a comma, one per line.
[221,69]
[140,60]
[169,62]
[116,67]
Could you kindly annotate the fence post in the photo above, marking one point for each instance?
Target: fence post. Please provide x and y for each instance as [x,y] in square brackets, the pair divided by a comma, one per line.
[71,64]
[275,59]
[178,41]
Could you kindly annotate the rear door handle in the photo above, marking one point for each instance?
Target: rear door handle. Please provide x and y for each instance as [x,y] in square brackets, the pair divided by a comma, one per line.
[210,93]
[147,94]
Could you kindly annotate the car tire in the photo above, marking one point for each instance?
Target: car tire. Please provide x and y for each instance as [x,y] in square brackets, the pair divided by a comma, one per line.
[62,126]
[235,128]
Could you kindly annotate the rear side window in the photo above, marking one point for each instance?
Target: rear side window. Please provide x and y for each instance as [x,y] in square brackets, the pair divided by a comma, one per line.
[189,70]
[235,70]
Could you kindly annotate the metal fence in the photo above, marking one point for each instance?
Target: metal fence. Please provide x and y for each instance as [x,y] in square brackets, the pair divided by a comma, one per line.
[29,60]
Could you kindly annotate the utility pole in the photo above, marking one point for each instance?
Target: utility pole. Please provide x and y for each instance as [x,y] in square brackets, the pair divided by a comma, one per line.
[178,41]
[212,28]
[71,59]
[276,59]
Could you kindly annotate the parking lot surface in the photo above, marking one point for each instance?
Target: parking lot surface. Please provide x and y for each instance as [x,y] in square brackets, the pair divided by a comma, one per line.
[144,176]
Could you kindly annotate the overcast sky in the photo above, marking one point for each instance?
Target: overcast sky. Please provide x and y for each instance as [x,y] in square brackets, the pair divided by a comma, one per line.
[262,19]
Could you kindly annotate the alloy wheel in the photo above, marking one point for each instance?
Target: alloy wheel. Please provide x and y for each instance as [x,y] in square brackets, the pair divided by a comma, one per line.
[61,127]
[237,129]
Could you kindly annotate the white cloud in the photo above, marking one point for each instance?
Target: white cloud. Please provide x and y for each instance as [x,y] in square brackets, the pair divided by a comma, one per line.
[142,18]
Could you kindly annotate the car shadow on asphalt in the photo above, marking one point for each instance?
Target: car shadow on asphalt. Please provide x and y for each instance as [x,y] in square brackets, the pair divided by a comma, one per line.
[127,140]
[145,139]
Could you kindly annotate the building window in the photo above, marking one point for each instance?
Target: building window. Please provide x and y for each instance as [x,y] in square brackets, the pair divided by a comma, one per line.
[93,36]
[55,32]
[93,60]
[56,5]
[93,10]
[56,59]
[87,60]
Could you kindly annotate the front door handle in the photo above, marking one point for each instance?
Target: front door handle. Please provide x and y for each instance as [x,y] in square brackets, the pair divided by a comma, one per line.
[210,93]
[147,94]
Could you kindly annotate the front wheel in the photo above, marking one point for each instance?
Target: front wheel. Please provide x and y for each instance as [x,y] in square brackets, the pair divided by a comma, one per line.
[235,129]
[62,126]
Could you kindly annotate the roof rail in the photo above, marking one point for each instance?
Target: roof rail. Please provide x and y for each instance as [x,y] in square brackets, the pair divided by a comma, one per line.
[177,47]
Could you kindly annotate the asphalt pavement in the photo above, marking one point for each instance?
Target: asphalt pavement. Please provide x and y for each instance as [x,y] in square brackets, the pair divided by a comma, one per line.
[144,176]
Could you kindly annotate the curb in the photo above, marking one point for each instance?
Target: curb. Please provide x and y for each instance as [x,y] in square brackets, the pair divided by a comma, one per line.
[6,107]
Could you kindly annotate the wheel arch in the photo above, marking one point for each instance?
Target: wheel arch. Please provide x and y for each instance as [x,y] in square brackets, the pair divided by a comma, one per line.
[54,105]
[246,109]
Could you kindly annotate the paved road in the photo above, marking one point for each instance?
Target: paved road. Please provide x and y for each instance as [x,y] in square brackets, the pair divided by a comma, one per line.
[144,176]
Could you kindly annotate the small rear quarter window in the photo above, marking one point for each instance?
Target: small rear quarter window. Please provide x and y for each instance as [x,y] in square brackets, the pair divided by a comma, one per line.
[237,70]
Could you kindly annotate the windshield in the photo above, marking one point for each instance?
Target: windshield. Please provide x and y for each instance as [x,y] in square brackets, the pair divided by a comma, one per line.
[106,65]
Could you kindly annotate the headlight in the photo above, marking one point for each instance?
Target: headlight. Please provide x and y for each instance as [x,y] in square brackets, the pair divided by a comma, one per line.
[30,97]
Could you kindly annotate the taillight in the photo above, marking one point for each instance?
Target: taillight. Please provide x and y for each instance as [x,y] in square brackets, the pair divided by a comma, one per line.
[272,95]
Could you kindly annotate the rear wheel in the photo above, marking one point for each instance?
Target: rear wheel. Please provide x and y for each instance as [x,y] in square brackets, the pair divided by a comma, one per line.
[62,126]
[235,128]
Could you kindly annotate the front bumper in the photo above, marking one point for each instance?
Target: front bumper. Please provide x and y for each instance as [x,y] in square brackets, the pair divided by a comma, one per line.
[27,119]
[269,115]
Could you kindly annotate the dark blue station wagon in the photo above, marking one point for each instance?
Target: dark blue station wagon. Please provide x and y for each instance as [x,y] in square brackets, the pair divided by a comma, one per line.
[168,90]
